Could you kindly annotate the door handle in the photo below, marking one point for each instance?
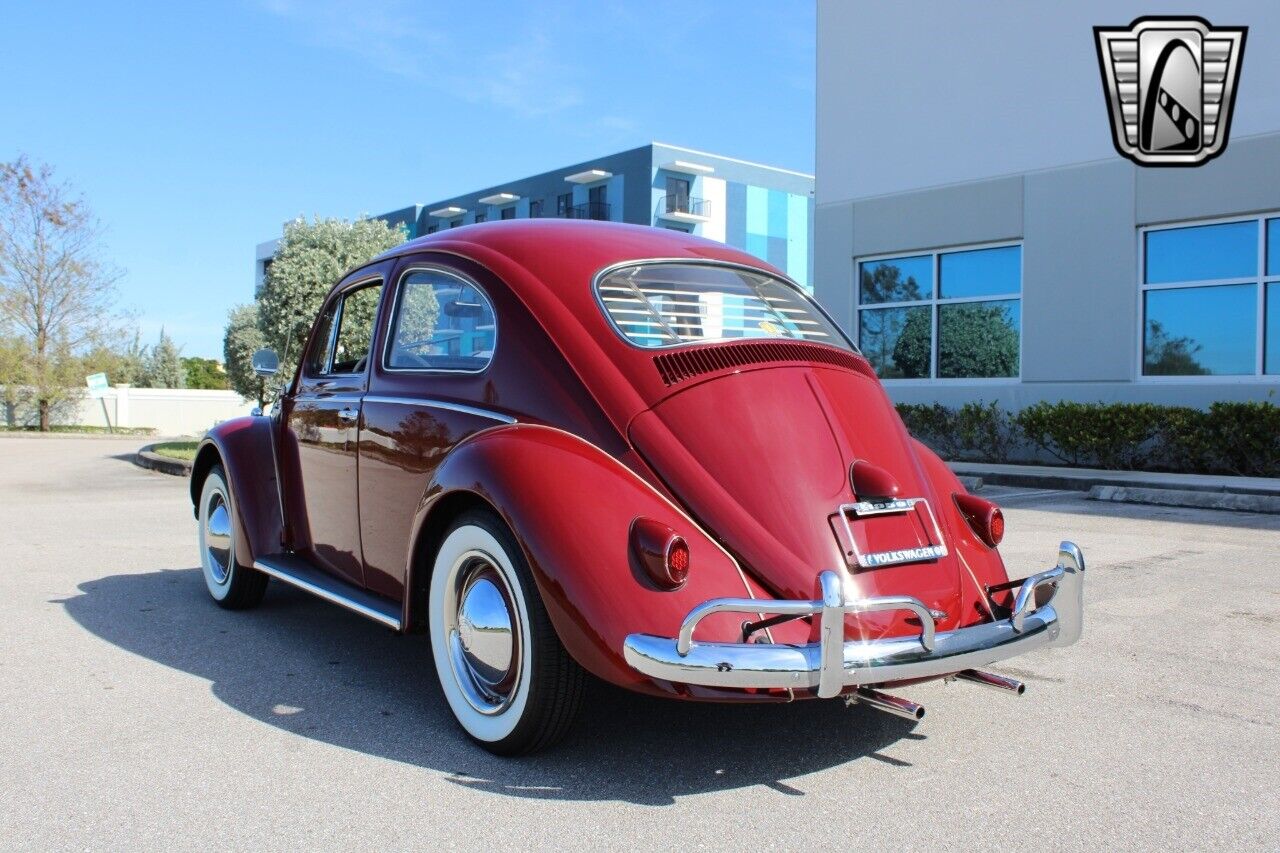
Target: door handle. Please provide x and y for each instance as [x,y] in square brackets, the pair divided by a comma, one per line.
[348,414]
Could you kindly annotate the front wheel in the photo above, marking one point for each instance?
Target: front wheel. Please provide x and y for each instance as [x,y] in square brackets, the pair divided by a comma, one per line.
[232,585]
[509,682]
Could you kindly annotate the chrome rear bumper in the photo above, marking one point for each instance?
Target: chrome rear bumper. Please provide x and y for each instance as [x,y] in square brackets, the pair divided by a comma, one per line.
[832,665]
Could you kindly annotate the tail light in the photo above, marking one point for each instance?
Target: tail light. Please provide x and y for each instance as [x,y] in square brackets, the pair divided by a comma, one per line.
[661,552]
[983,516]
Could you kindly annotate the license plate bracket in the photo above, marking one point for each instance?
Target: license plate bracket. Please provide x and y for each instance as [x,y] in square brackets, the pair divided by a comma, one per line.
[932,548]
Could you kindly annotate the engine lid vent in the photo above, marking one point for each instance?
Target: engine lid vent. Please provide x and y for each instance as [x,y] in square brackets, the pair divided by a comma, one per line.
[676,367]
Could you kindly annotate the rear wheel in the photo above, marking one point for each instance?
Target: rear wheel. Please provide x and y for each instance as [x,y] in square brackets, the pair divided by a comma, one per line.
[232,585]
[509,682]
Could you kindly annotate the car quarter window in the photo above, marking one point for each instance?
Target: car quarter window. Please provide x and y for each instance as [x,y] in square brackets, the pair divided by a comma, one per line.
[346,352]
[441,322]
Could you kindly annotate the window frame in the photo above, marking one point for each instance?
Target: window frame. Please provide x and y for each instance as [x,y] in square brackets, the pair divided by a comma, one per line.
[385,361]
[1260,280]
[805,296]
[339,301]
[934,301]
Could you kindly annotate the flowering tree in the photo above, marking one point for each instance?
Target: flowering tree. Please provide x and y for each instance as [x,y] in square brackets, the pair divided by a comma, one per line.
[312,257]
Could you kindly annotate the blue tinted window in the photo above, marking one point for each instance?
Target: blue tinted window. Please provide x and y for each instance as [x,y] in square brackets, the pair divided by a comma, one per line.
[1202,253]
[1273,247]
[896,280]
[1200,331]
[979,339]
[1273,328]
[897,341]
[980,272]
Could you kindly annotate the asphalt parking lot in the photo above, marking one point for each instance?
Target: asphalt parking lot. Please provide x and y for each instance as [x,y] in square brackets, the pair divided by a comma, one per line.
[137,714]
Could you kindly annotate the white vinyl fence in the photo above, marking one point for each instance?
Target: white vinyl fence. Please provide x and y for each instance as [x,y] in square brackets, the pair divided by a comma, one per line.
[169,411]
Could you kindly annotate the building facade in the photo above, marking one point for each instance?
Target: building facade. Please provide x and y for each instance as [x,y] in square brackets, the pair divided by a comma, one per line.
[962,279]
[764,210]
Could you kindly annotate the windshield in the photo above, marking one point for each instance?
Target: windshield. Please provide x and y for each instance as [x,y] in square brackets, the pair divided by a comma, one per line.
[666,304]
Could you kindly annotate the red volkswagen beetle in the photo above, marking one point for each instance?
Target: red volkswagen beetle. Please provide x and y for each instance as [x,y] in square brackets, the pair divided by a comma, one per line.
[559,447]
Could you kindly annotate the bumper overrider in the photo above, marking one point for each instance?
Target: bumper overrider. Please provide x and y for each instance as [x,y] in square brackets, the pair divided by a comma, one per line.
[1046,611]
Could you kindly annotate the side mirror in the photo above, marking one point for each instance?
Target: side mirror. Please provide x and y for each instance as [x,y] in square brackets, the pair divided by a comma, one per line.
[265,362]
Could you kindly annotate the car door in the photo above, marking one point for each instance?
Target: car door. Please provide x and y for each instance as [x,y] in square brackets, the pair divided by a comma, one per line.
[323,421]
[431,388]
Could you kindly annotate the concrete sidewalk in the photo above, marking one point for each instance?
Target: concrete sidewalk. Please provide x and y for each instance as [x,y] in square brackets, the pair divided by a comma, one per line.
[1085,479]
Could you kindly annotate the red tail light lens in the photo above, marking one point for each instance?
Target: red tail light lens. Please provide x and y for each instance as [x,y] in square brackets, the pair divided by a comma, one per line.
[996,526]
[678,560]
[983,516]
[661,554]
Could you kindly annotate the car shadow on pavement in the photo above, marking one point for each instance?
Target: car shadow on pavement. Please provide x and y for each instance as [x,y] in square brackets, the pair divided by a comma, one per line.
[320,672]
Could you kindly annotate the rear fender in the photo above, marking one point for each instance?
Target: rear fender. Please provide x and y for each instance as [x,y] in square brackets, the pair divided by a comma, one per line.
[571,506]
[245,449]
[980,565]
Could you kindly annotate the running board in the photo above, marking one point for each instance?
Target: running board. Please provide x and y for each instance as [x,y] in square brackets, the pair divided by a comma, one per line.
[296,571]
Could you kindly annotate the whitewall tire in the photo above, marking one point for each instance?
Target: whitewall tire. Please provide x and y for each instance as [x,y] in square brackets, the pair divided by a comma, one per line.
[231,584]
[508,681]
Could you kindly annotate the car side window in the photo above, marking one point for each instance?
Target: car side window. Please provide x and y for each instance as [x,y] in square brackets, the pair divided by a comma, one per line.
[347,351]
[442,322]
[317,361]
[354,339]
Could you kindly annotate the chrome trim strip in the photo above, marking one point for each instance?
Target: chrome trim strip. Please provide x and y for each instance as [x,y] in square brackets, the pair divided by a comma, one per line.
[832,666]
[442,404]
[327,594]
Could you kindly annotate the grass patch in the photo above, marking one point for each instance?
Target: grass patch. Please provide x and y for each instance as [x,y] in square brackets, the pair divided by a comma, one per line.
[83,430]
[184,450]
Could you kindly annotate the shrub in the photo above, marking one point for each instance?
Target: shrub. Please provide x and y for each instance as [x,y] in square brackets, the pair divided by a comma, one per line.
[1229,438]
[933,424]
[1186,440]
[1246,437]
[1114,435]
[987,430]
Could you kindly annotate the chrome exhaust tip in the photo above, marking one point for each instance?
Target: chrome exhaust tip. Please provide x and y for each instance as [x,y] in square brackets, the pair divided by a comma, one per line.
[990,679]
[895,705]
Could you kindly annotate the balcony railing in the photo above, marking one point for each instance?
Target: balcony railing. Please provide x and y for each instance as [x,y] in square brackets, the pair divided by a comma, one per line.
[684,207]
[590,210]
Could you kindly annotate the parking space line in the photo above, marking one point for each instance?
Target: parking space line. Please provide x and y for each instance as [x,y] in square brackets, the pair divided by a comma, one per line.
[1037,494]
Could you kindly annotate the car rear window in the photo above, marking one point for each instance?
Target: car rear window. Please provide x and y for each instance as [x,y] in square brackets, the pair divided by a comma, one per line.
[667,304]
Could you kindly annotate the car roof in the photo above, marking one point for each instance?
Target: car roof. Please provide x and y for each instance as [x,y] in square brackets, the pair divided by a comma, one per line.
[574,247]
[549,265]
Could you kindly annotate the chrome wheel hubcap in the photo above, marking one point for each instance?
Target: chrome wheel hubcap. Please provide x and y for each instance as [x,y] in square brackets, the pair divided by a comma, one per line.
[217,537]
[484,633]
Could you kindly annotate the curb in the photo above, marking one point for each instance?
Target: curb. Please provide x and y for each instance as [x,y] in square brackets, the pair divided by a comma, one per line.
[1232,501]
[1116,479]
[145,458]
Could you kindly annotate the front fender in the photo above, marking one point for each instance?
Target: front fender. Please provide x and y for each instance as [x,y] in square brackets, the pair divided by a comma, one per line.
[571,506]
[245,448]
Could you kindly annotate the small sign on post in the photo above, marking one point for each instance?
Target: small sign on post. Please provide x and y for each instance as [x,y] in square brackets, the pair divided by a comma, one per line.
[98,386]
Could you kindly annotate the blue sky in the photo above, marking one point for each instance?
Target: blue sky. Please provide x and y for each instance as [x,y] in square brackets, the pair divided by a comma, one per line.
[195,130]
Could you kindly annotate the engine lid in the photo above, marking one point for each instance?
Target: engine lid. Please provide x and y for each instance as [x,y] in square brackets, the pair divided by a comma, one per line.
[762,458]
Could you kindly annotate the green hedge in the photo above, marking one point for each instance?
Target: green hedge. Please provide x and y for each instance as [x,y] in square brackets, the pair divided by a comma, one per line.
[1229,438]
